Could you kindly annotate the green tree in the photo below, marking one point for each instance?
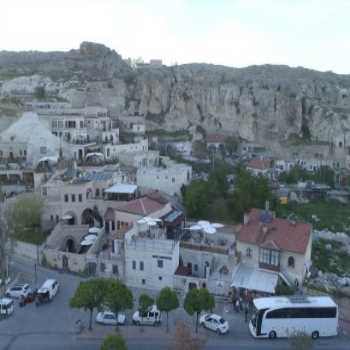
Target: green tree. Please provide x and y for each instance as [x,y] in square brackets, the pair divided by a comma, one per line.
[199,149]
[114,342]
[196,199]
[231,144]
[145,302]
[118,297]
[198,300]
[25,219]
[250,191]
[40,92]
[167,301]
[89,295]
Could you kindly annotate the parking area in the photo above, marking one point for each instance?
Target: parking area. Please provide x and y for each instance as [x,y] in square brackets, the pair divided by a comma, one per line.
[52,325]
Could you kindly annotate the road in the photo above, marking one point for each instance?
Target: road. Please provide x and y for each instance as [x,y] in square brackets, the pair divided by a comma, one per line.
[51,326]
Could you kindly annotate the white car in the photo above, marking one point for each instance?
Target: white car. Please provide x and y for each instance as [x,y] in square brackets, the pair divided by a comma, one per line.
[151,317]
[215,323]
[18,290]
[109,318]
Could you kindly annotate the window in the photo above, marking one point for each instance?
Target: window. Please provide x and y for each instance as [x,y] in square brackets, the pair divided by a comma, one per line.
[73,197]
[143,281]
[108,152]
[141,266]
[160,263]
[81,124]
[249,252]
[160,278]
[134,265]
[173,179]
[113,225]
[80,197]
[44,191]
[269,257]
[291,262]
[195,267]
[51,218]
[66,197]
[43,150]
[57,218]
[97,193]
[305,312]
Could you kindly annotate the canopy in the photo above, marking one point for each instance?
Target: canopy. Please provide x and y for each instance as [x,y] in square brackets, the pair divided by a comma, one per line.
[254,279]
[122,188]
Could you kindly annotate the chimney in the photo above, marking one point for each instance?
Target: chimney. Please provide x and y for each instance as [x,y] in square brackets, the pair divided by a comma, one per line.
[245,218]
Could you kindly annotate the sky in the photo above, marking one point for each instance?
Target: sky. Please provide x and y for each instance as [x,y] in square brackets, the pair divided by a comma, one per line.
[310,33]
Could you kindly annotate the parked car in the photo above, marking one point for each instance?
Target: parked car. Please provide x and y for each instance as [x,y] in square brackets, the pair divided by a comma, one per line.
[151,317]
[6,307]
[215,323]
[109,318]
[17,291]
[49,289]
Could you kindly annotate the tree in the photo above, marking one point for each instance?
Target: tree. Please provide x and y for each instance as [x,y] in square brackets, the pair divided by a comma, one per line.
[196,199]
[6,245]
[145,302]
[40,92]
[118,297]
[300,341]
[89,295]
[167,301]
[231,144]
[114,342]
[199,149]
[198,300]
[250,191]
[25,219]
[183,339]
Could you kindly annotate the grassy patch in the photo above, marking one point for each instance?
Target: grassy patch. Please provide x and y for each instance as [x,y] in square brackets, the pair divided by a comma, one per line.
[330,260]
[31,236]
[332,215]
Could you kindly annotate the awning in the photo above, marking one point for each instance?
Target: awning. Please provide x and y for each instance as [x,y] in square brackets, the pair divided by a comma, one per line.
[122,188]
[254,279]
[172,216]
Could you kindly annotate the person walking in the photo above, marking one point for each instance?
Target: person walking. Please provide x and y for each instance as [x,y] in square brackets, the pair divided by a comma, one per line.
[246,310]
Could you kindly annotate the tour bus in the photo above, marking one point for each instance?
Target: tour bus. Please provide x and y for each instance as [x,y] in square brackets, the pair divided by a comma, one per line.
[284,316]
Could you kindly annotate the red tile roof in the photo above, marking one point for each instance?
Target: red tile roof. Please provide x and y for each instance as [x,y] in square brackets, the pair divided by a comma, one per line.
[142,206]
[259,164]
[279,234]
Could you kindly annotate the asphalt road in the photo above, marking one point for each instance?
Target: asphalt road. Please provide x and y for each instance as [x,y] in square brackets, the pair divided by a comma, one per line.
[51,326]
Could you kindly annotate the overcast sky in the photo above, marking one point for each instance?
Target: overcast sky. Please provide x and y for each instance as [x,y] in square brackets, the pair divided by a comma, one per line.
[309,33]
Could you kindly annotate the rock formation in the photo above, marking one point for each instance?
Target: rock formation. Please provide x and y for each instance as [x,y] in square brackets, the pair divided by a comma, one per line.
[268,104]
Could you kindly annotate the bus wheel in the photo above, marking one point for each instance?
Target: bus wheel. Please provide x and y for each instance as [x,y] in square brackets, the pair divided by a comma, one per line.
[315,335]
[272,335]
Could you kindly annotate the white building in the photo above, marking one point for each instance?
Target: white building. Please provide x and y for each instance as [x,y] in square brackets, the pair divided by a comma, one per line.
[271,249]
[168,179]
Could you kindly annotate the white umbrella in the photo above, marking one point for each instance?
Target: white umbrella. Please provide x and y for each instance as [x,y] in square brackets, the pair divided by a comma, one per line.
[196,227]
[94,230]
[209,229]
[94,154]
[86,243]
[217,225]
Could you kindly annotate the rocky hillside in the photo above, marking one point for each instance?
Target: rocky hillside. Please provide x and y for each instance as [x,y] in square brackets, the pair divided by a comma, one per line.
[268,104]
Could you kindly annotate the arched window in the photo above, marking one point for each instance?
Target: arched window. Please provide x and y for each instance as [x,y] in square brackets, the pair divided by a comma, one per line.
[291,262]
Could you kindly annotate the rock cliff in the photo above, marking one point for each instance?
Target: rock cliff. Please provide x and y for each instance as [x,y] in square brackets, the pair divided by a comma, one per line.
[274,105]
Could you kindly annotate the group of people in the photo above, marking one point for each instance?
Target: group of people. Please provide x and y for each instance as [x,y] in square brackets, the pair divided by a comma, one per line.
[243,302]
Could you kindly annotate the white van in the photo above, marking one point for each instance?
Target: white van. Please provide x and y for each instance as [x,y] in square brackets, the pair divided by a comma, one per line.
[49,286]
[151,317]
[6,307]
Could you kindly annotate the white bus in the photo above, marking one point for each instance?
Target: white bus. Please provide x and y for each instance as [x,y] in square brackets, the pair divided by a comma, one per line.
[283,316]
